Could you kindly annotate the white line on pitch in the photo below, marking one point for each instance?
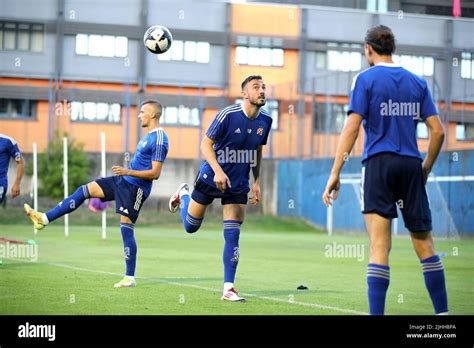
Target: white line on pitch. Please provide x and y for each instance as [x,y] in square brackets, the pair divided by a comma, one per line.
[274,299]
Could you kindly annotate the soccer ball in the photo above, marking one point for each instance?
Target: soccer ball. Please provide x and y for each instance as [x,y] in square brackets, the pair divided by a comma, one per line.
[157,39]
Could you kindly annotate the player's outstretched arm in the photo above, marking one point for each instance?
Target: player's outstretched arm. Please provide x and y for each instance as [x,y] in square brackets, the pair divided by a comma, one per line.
[436,139]
[19,175]
[344,147]
[256,175]
[150,174]
[220,178]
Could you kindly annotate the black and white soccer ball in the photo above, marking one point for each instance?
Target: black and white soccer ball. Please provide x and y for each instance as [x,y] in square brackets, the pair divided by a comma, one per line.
[158,39]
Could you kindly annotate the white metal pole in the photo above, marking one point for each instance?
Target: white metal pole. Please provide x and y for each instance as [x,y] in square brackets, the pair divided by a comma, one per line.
[66,189]
[35,181]
[329,223]
[104,212]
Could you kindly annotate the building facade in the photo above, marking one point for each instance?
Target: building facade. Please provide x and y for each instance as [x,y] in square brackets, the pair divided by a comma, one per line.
[80,67]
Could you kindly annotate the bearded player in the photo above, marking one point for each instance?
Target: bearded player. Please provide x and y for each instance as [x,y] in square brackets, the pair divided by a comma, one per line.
[231,149]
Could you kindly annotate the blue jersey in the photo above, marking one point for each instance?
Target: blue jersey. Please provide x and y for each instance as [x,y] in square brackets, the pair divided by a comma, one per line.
[8,149]
[236,140]
[391,101]
[153,147]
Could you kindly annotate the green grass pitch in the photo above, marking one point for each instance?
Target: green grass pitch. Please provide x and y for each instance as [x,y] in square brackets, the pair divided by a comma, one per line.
[178,273]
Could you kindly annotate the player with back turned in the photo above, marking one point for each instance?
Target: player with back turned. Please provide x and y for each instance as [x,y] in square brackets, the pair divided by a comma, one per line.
[389,101]
[237,131]
[129,187]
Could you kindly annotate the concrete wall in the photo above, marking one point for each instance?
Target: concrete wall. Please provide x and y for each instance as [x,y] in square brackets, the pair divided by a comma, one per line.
[188,14]
[30,9]
[124,12]
[27,64]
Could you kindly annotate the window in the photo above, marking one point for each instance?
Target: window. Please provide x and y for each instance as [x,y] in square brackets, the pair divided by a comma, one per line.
[180,115]
[344,61]
[203,52]
[21,36]
[257,56]
[340,59]
[189,51]
[241,55]
[419,65]
[422,130]
[467,65]
[320,60]
[17,108]
[272,107]
[377,5]
[102,45]
[465,131]
[95,112]
[329,117]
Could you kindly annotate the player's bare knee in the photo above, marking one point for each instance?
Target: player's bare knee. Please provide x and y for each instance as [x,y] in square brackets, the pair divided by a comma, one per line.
[126,220]
[94,190]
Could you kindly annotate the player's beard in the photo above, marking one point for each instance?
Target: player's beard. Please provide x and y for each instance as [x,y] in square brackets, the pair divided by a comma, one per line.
[144,124]
[258,102]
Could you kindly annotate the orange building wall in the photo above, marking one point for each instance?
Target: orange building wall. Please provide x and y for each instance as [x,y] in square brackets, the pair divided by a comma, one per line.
[265,19]
[184,141]
[26,133]
[281,22]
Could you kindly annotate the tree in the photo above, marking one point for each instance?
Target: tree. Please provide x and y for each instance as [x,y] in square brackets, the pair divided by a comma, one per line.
[51,166]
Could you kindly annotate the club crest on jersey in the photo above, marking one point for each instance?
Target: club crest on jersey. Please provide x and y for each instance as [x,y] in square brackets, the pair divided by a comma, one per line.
[144,143]
[249,130]
[260,131]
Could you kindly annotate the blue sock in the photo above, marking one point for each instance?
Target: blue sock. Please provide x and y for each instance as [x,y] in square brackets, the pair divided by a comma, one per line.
[191,224]
[69,204]
[378,278]
[129,248]
[231,249]
[433,273]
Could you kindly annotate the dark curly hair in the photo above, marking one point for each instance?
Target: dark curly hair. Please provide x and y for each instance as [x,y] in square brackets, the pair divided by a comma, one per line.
[381,39]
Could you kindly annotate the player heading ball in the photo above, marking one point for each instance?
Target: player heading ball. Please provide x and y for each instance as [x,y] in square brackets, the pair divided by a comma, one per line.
[236,128]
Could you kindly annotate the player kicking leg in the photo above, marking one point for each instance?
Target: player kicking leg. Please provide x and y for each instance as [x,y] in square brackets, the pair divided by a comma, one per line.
[192,214]
[96,189]
[237,129]
[129,187]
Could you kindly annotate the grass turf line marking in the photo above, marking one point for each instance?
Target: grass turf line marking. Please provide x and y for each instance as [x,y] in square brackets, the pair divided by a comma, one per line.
[274,299]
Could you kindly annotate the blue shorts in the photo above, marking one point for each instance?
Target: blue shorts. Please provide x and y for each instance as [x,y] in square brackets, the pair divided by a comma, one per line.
[3,192]
[389,180]
[205,194]
[128,198]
